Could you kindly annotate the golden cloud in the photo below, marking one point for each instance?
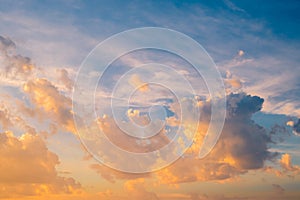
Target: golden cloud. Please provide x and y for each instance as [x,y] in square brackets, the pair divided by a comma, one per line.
[28,168]
[44,95]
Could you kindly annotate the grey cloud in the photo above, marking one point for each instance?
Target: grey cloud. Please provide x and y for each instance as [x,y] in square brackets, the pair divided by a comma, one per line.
[278,189]
[242,105]
[253,151]
[242,138]
[296,127]
[6,44]
[65,79]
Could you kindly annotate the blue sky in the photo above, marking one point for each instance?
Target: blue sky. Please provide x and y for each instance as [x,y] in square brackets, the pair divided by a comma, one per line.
[67,30]
[205,21]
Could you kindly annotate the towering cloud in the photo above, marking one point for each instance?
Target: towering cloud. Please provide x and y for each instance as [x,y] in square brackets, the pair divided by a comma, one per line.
[243,146]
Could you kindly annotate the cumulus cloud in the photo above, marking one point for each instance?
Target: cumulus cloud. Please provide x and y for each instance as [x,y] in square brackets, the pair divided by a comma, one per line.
[129,143]
[243,146]
[47,98]
[287,167]
[11,111]
[286,164]
[247,141]
[28,168]
[16,67]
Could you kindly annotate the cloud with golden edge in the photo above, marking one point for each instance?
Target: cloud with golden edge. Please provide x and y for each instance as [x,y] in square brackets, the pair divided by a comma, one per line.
[28,168]
[46,97]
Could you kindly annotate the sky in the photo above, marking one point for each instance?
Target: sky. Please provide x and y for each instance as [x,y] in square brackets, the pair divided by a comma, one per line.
[63,111]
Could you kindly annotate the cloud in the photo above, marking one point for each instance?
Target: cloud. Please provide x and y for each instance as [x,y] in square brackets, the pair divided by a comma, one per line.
[28,168]
[138,83]
[286,164]
[16,67]
[232,83]
[237,61]
[243,146]
[287,167]
[13,114]
[112,175]
[226,165]
[241,53]
[264,76]
[6,45]
[290,123]
[278,189]
[232,6]
[65,79]
[296,127]
[136,190]
[129,143]
[235,83]
[4,118]
[46,98]
[52,104]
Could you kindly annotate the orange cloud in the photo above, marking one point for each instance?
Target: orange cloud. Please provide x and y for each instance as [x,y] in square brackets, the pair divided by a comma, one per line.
[136,190]
[138,83]
[129,143]
[234,82]
[243,146]
[44,95]
[28,168]
[286,164]
[4,118]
